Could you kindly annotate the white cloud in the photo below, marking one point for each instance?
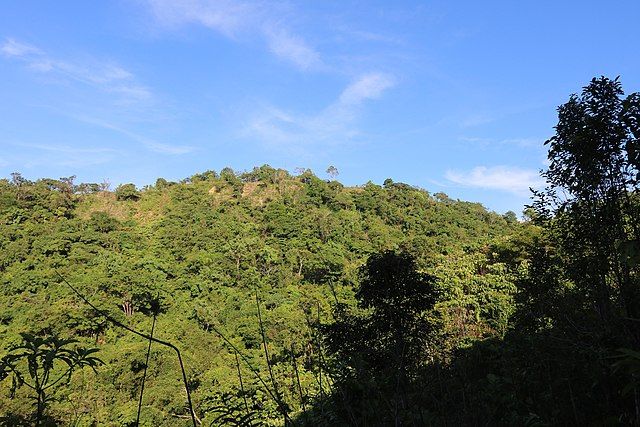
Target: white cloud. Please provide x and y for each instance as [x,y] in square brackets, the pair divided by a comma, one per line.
[292,48]
[534,143]
[335,124]
[477,120]
[106,76]
[66,149]
[224,16]
[369,86]
[370,36]
[504,178]
[151,144]
[66,155]
[11,47]
[233,19]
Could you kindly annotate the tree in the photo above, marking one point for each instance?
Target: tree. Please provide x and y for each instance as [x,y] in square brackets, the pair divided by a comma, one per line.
[582,287]
[161,183]
[510,217]
[589,201]
[380,347]
[17,179]
[204,253]
[39,358]
[66,185]
[127,192]
[332,171]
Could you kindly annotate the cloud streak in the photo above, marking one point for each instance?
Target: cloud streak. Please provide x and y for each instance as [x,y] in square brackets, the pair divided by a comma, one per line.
[335,124]
[368,86]
[503,178]
[507,142]
[15,48]
[65,155]
[65,149]
[106,76]
[292,48]
[149,143]
[235,19]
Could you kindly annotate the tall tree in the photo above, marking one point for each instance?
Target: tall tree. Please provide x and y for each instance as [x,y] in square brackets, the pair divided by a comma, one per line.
[590,198]
[332,171]
[381,348]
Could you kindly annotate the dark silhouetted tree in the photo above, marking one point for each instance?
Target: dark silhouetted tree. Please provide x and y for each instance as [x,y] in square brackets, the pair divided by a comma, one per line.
[35,364]
[379,347]
[589,201]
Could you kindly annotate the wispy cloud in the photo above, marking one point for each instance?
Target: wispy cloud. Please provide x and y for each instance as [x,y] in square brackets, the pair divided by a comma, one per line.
[335,124]
[228,17]
[504,178]
[368,86]
[66,149]
[65,155]
[510,142]
[292,48]
[234,19]
[151,144]
[370,36]
[12,47]
[105,75]
[477,119]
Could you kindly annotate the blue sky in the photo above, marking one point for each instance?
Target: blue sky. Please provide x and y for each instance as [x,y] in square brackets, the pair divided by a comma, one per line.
[454,97]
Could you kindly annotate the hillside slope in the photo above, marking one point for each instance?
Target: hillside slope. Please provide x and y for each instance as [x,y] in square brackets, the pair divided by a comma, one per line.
[204,248]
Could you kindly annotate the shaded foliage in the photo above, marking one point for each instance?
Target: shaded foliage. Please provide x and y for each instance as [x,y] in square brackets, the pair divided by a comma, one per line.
[202,247]
[378,347]
[35,364]
[565,349]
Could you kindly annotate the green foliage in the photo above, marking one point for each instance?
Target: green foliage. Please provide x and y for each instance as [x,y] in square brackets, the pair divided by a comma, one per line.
[378,347]
[571,354]
[203,246]
[378,304]
[540,327]
[35,364]
[127,192]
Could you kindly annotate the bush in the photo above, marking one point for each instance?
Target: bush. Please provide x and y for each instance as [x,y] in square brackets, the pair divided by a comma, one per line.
[127,192]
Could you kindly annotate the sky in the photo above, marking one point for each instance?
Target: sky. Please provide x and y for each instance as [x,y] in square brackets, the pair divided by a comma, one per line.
[454,97]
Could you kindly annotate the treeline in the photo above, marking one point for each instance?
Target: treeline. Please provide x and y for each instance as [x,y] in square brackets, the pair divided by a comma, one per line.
[198,253]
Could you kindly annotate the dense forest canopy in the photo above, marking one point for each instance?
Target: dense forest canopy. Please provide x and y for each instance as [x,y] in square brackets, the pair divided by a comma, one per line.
[203,248]
[295,300]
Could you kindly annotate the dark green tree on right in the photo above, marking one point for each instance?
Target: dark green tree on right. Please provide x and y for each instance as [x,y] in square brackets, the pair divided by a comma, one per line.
[591,202]
[582,290]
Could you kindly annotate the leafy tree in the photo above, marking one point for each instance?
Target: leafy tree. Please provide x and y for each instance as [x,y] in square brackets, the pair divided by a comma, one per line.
[332,171]
[18,180]
[510,217]
[592,183]
[581,287]
[102,222]
[127,192]
[381,346]
[203,246]
[39,358]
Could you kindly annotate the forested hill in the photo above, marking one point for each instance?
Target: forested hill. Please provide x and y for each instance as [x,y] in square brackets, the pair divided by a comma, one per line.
[198,253]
